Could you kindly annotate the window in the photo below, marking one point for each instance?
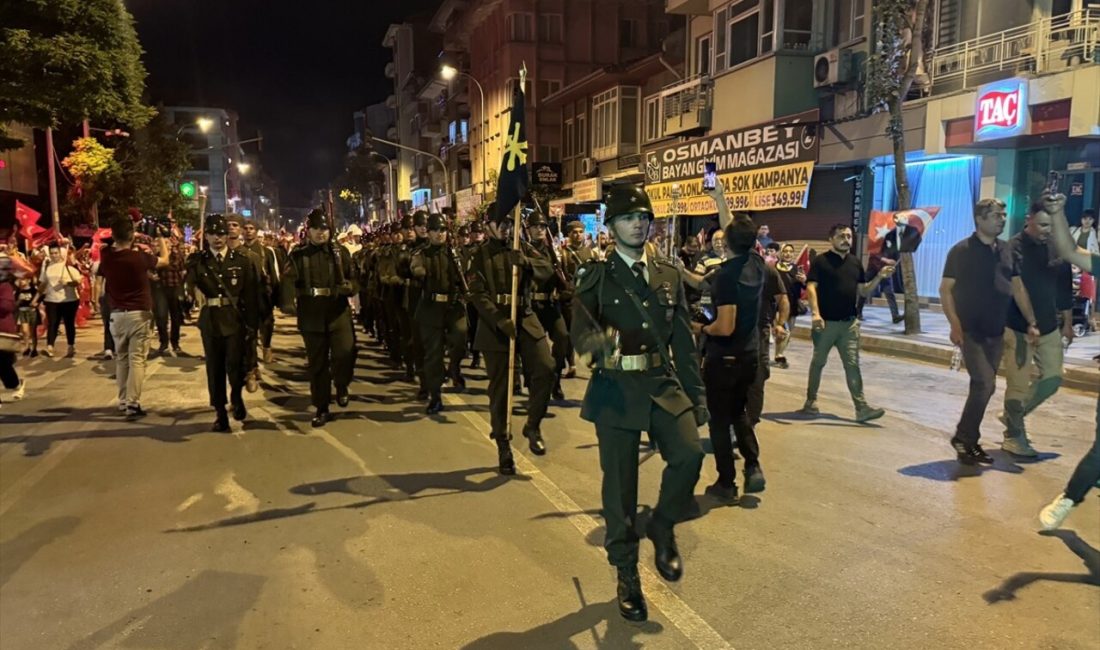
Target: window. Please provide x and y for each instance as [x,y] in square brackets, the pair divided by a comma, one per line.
[798,20]
[720,42]
[200,163]
[652,119]
[568,133]
[745,30]
[550,28]
[702,55]
[548,153]
[615,122]
[581,143]
[742,37]
[628,33]
[546,87]
[521,27]
[848,20]
[660,32]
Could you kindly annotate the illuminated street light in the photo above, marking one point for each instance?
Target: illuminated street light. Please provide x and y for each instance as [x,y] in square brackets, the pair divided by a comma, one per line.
[205,124]
[243,167]
[448,72]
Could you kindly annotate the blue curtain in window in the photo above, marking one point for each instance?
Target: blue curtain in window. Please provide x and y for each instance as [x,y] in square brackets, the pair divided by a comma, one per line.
[951,184]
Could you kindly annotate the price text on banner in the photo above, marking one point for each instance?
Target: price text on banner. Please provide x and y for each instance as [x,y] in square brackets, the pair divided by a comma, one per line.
[761,189]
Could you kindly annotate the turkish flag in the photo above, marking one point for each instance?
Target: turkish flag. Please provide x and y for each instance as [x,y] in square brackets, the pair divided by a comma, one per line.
[25,215]
[882,223]
[803,261]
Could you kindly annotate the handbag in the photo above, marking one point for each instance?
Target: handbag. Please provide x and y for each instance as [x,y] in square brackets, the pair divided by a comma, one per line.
[12,343]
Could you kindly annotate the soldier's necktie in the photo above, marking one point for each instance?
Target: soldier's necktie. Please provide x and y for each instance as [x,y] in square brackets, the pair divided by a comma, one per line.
[639,274]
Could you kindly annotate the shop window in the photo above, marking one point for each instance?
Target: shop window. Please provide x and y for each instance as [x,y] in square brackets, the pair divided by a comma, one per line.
[521,27]
[550,28]
[848,20]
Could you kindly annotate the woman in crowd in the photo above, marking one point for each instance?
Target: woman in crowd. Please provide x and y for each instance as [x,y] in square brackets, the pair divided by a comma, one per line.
[8,374]
[59,283]
[795,279]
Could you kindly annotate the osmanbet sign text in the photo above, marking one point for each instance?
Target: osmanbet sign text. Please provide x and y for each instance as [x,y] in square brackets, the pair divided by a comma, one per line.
[763,167]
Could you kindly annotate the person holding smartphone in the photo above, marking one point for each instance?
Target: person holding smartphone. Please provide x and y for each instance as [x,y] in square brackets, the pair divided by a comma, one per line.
[59,284]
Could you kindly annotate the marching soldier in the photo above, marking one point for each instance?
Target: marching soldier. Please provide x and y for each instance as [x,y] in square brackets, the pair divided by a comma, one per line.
[575,254]
[323,280]
[629,314]
[546,298]
[441,315]
[416,237]
[393,293]
[270,264]
[231,290]
[235,224]
[491,292]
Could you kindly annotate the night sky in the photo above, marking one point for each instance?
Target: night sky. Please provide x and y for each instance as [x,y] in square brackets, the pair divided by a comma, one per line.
[295,70]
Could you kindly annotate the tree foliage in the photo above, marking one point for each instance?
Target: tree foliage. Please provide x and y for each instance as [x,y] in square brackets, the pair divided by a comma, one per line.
[94,170]
[152,161]
[68,60]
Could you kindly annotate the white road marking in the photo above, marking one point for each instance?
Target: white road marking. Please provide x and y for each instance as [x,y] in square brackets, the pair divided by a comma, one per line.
[679,613]
[189,501]
[345,451]
[238,496]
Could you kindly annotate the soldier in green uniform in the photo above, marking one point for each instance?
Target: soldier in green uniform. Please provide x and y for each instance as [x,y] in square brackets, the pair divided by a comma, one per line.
[490,281]
[575,254]
[441,314]
[323,280]
[546,298]
[393,292]
[231,290]
[630,315]
[235,224]
[416,238]
[255,245]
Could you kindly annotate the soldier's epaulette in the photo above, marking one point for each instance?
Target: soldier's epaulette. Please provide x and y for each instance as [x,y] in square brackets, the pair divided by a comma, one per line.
[660,261]
[589,274]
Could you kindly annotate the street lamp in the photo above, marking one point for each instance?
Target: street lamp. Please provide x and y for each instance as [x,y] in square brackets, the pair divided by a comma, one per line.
[449,72]
[205,124]
[243,167]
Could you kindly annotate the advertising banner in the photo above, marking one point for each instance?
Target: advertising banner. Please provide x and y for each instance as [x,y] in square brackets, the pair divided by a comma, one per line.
[764,167]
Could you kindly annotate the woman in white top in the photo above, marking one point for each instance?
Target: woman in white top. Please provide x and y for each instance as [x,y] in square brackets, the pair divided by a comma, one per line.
[59,283]
[1085,234]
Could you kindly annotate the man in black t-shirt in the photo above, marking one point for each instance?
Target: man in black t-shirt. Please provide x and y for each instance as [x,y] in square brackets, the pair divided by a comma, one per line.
[834,284]
[775,308]
[732,356]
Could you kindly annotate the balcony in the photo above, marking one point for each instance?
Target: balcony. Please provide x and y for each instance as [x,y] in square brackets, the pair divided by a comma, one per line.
[1047,45]
[688,7]
[391,70]
[687,106]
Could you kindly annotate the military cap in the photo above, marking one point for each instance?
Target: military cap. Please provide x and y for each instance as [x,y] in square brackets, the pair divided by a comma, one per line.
[436,222]
[420,219]
[233,217]
[536,218]
[463,231]
[576,224]
[626,199]
[316,219]
[406,222]
[476,228]
[215,224]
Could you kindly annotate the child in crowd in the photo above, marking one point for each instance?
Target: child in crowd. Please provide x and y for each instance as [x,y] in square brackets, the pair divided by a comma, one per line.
[26,317]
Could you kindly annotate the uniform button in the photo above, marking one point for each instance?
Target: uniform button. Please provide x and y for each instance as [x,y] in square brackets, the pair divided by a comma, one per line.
[645,326]
[645,304]
[616,301]
[643,347]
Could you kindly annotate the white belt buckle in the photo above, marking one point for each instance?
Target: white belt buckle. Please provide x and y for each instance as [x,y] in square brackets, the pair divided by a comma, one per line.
[633,362]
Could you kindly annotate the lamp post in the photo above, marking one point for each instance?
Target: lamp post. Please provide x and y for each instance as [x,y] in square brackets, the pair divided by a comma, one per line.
[449,72]
[442,165]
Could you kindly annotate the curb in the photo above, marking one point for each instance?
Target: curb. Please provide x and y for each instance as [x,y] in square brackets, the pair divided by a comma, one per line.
[1074,376]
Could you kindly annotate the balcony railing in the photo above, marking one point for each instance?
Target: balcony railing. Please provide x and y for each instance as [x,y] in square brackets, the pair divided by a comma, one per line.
[1046,45]
[687,105]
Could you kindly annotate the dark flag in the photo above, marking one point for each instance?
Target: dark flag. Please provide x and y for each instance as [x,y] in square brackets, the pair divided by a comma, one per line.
[512,182]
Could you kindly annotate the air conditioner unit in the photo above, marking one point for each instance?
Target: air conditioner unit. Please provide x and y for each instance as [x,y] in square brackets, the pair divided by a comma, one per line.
[832,68]
[589,167]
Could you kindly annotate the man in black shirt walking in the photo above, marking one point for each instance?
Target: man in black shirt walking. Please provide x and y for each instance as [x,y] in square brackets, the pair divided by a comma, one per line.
[834,284]
[980,278]
[732,359]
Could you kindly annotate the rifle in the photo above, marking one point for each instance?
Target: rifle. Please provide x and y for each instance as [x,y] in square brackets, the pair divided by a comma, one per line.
[331,211]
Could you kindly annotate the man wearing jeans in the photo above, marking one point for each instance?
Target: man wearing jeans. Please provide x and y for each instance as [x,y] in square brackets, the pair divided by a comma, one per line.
[1050,286]
[126,270]
[980,279]
[834,284]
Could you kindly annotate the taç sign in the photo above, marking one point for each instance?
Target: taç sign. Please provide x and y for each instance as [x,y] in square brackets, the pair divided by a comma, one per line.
[1001,110]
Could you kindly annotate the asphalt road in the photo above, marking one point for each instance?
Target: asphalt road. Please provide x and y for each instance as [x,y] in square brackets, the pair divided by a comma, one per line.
[389,529]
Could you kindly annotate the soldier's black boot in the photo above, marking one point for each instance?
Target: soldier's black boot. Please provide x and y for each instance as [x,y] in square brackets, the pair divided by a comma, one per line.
[535,441]
[320,419]
[631,601]
[666,555]
[557,394]
[504,457]
[475,362]
[239,411]
[458,380]
[435,404]
[221,422]
[342,398]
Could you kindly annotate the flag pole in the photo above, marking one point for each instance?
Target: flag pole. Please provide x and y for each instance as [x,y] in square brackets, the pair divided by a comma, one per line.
[516,212]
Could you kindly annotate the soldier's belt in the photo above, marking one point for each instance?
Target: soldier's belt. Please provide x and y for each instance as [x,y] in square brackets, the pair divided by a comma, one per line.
[504,299]
[219,301]
[319,292]
[544,297]
[441,297]
[633,362]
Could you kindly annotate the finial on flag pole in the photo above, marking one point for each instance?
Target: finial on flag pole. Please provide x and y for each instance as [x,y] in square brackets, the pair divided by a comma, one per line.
[523,78]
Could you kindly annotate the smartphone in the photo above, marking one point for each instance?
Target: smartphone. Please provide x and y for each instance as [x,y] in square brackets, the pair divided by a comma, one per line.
[1053,181]
[710,176]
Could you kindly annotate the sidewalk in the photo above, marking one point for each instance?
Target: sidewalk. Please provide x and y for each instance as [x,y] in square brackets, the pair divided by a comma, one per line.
[882,336]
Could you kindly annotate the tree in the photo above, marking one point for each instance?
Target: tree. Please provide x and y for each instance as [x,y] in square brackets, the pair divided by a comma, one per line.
[94,170]
[69,60]
[902,38]
[152,163]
